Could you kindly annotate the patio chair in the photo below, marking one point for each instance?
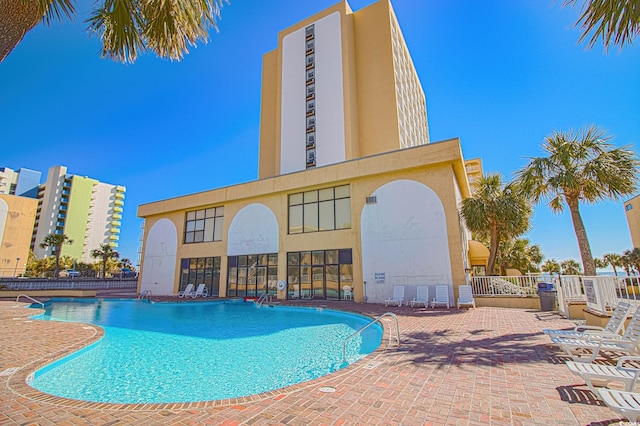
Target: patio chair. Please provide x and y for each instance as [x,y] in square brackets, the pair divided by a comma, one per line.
[614,326]
[397,298]
[188,291]
[625,403]
[602,374]
[442,296]
[347,292]
[465,296]
[422,297]
[201,291]
[627,343]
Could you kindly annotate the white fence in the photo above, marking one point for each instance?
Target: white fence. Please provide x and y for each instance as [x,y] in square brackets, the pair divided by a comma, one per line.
[506,286]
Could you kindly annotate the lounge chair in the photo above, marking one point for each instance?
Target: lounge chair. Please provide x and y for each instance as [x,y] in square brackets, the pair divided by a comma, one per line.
[465,296]
[347,293]
[614,326]
[603,374]
[442,296]
[397,298]
[188,291]
[201,291]
[625,403]
[422,297]
[627,343]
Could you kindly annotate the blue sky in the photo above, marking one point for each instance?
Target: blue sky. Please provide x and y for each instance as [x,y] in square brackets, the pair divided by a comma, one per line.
[500,75]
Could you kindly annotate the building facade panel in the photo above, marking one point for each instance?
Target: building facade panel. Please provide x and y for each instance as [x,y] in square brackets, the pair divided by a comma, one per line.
[632,211]
[17,215]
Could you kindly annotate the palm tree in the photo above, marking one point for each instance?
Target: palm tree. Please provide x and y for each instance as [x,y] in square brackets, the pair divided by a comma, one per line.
[125,27]
[105,252]
[55,243]
[570,267]
[599,263]
[625,261]
[613,260]
[495,212]
[551,266]
[580,167]
[616,21]
[520,255]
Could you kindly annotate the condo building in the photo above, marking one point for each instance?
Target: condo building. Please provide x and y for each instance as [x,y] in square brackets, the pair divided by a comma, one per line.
[632,211]
[88,211]
[23,182]
[351,199]
[17,215]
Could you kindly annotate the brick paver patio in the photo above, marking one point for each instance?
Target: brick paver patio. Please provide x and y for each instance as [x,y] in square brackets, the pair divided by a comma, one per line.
[468,367]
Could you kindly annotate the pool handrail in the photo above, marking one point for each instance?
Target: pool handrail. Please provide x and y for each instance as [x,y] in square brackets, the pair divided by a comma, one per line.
[390,314]
[30,298]
[263,297]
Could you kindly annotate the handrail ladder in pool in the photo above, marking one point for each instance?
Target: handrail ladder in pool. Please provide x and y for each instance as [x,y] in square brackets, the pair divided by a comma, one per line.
[30,298]
[146,293]
[263,297]
[379,319]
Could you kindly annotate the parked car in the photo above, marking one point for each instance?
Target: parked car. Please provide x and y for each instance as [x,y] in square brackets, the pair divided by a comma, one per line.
[70,273]
[128,273]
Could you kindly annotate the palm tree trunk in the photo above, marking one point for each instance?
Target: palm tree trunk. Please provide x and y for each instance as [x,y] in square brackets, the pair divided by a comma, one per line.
[494,240]
[17,17]
[583,241]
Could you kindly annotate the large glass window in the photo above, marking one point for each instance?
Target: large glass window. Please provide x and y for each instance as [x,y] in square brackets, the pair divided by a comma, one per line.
[320,210]
[320,274]
[204,225]
[201,270]
[252,275]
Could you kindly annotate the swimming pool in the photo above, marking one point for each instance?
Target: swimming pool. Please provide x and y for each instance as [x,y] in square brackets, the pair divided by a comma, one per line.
[183,352]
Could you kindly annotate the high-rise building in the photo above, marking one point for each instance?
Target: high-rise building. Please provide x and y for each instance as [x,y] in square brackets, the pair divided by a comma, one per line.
[341,85]
[632,210]
[352,198]
[17,215]
[23,182]
[89,212]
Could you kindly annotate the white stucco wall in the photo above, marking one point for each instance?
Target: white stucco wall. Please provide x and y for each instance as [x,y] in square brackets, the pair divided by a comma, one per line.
[159,265]
[4,211]
[253,230]
[404,241]
[330,139]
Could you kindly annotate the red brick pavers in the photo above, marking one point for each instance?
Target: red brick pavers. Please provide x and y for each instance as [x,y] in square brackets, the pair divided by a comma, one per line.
[468,367]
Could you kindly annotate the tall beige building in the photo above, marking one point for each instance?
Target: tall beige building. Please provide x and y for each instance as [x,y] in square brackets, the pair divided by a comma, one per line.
[351,199]
[632,210]
[17,215]
[341,85]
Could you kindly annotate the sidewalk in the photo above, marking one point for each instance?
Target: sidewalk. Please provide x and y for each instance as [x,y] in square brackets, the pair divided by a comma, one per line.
[469,367]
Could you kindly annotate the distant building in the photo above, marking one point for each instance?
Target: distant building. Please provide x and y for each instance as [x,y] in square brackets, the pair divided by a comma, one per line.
[88,211]
[23,182]
[351,199]
[632,210]
[17,215]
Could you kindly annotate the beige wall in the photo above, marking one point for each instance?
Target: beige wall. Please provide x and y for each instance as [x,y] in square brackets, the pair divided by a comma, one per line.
[16,236]
[632,210]
[439,166]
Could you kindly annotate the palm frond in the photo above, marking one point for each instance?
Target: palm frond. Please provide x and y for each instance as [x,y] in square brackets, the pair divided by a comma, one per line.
[119,24]
[56,10]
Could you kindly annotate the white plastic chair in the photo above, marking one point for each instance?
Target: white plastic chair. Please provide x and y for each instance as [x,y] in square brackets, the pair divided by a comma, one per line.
[422,297]
[188,291]
[625,403]
[397,298]
[442,296]
[465,296]
[614,326]
[603,373]
[201,291]
[347,293]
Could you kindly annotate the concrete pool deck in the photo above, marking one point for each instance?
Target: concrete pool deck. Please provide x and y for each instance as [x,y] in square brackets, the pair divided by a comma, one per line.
[454,367]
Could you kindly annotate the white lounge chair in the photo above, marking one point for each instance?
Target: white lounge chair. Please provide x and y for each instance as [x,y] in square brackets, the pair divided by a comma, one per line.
[442,296]
[465,296]
[614,326]
[603,374]
[625,403]
[422,297]
[188,291]
[201,291]
[347,293]
[397,298]
[627,343]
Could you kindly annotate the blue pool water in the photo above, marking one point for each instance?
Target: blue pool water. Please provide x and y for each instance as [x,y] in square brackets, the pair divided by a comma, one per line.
[182,352]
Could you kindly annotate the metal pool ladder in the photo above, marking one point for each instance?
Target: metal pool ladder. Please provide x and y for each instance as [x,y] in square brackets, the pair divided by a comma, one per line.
[30,298]
[263,297]
[386,314]
[146,293]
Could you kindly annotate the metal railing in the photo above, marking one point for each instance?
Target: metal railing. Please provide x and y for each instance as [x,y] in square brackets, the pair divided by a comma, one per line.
[30,298]
[600,293]
[360,330]
[23,284]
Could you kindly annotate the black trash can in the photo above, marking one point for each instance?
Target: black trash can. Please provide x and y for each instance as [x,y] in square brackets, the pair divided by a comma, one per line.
[548,297]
